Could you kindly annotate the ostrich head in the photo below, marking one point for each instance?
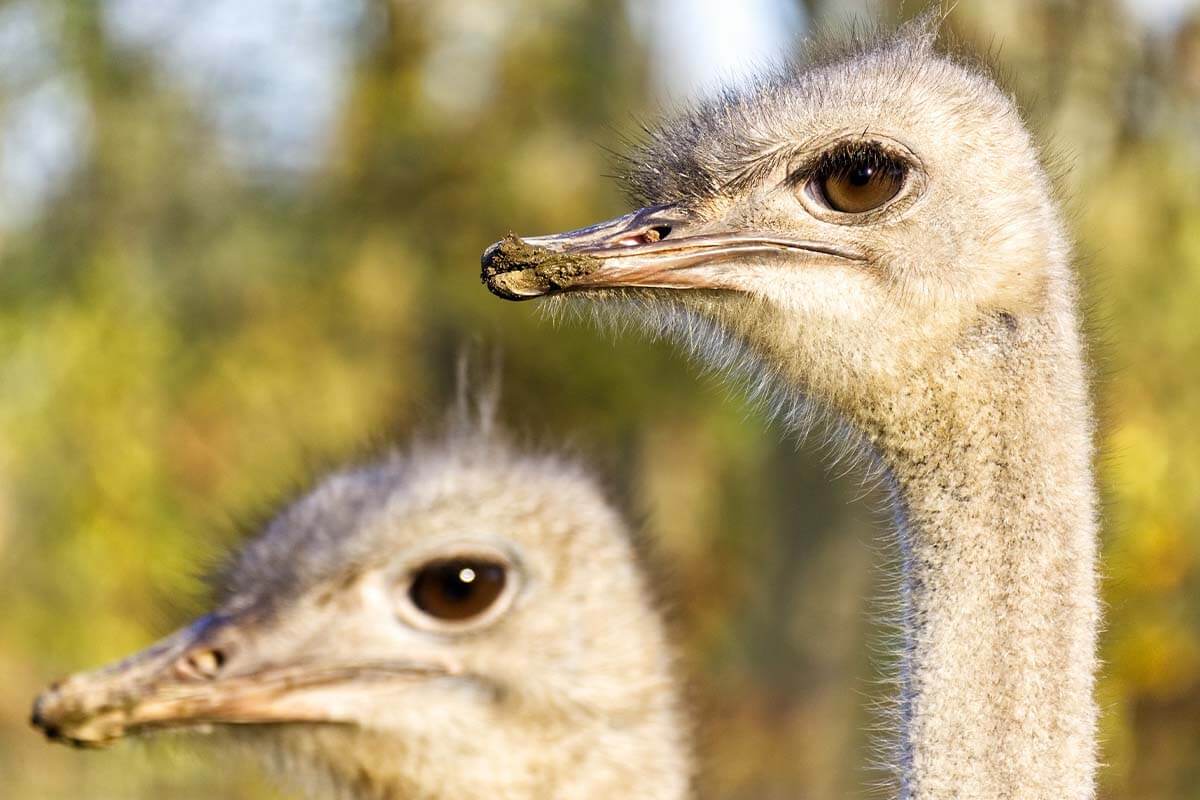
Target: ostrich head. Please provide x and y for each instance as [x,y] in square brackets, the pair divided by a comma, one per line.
[460,621]
[875,232]
[845,222]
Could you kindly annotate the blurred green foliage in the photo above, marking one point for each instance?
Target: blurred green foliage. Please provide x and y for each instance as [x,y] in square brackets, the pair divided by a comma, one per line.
[183,339]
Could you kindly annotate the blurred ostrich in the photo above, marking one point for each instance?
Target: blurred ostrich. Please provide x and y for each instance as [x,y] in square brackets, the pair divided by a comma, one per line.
[460,621]
[874,236]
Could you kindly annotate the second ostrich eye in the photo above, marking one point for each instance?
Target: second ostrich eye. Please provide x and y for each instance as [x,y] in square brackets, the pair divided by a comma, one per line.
[458,589]
[858,179]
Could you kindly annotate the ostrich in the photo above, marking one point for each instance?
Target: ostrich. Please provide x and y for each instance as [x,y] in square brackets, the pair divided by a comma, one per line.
[459,621]
[874,236]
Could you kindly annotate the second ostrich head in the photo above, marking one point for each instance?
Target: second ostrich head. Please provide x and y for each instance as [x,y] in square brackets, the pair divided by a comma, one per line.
[460,621]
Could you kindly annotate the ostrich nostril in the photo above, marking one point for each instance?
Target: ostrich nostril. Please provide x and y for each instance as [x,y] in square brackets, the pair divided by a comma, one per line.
[203,663]
[648,236]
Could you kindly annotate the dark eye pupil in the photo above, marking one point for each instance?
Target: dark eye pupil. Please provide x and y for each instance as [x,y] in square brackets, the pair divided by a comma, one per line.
[457,589]
[861,175]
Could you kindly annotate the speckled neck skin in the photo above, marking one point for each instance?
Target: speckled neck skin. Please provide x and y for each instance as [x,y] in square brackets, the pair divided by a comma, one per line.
[988,466]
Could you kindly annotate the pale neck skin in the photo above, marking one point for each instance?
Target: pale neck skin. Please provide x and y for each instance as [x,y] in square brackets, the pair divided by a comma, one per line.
[986,449]
[989,467]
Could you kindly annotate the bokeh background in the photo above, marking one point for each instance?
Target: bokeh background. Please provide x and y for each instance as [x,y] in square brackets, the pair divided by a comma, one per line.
[239,239]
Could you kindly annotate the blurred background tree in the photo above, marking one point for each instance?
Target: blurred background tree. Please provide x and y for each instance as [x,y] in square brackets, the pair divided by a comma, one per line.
[238,240]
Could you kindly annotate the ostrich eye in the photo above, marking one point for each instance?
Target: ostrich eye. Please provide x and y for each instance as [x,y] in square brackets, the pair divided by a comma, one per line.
[858,179]
[457,589]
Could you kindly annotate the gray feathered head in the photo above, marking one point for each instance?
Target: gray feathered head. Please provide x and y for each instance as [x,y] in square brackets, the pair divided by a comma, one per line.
[461,619]
[851,218]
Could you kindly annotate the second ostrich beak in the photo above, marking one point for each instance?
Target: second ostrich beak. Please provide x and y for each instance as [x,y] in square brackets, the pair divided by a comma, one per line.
[200,676]
[657,247]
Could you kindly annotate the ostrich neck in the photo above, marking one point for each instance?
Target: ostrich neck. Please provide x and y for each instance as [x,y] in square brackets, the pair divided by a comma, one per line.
[988,459]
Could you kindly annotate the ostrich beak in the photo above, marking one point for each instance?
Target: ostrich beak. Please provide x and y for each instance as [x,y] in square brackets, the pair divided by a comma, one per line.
[201,675]
[656,247]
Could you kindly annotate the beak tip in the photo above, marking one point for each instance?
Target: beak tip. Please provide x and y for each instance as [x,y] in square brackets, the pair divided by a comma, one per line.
[486,259]
[522,269]
[42,717]
[37,715]
[62,718]
[505,275]
[491,253]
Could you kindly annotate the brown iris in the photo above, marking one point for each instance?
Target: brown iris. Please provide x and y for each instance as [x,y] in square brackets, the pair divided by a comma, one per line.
[457,589]
[858,179]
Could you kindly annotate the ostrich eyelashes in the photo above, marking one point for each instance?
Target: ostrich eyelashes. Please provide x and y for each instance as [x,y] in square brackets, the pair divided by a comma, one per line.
[857,178]
[458,590]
